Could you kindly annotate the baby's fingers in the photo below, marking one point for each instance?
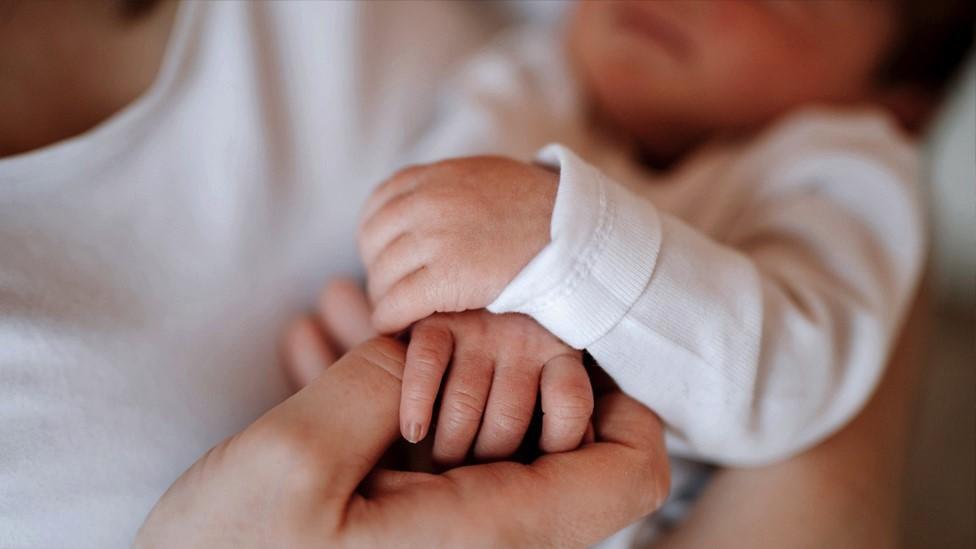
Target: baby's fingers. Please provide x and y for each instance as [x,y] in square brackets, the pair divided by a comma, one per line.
[431,344]
[567,403]
[509,410]
[462,404]
[404,255]
[408,300]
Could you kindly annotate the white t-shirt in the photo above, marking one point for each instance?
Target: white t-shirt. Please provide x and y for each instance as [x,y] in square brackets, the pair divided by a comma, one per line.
[148,266]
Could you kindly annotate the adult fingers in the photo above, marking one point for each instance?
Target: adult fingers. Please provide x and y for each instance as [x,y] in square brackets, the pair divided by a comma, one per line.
[306,354]
[509,410]
[567,403]
[329,435]
[345,313]
[570,499]
[575,498]
[428,355]
[462,404]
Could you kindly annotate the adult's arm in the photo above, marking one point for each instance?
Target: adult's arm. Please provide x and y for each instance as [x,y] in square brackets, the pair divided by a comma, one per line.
[297,477]
[844,492]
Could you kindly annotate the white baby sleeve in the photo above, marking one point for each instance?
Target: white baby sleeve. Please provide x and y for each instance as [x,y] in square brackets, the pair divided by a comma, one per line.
[752,349]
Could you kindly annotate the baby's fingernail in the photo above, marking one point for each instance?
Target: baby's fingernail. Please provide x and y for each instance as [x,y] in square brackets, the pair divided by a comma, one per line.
[415,432]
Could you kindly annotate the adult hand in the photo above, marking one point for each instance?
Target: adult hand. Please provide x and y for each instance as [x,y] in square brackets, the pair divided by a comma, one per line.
[508,357]
[302,475]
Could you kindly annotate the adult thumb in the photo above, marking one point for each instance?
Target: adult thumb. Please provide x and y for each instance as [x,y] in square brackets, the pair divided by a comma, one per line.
[299,463]
[336,429]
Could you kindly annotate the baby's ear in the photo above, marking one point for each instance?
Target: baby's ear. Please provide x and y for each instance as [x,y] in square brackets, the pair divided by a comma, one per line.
[911,105]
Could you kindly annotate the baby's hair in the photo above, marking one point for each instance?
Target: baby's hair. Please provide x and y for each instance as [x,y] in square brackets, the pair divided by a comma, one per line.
[933,41]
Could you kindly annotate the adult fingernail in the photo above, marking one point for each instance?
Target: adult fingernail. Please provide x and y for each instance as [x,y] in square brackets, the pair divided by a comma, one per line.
[416,432]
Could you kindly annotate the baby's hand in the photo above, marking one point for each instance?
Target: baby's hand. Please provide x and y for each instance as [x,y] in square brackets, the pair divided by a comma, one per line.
[495,365]
[450,236]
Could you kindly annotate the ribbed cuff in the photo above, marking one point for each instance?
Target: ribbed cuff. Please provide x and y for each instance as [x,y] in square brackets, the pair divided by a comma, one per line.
[604,245]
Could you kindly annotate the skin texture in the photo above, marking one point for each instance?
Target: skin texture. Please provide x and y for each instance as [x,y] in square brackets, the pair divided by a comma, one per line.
[447,237]
[500,363]
[508,358]
[310,478]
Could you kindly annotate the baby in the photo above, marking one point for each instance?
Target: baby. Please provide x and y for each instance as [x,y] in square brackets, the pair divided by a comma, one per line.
[730,224]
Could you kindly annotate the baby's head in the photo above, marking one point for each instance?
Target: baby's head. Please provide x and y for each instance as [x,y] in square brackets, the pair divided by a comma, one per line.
[674,72]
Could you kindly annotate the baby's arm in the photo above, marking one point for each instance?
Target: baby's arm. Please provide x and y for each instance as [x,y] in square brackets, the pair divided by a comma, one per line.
[754,347]
[750,349]
[491,366]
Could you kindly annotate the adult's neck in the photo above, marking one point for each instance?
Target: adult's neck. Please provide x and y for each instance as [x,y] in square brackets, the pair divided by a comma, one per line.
[66,66]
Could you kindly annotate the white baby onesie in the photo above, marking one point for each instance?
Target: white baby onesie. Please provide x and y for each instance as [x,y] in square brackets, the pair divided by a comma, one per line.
[749,296]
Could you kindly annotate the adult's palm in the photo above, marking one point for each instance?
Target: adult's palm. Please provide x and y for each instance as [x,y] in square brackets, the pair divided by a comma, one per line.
[303,475]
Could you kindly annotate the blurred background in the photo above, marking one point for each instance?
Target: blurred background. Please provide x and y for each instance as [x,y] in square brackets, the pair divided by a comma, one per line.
[940,507]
